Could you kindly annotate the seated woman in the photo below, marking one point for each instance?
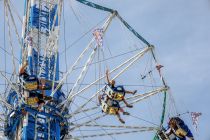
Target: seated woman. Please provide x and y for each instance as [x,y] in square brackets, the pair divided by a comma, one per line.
[179,129]
[121,89]
[111,107]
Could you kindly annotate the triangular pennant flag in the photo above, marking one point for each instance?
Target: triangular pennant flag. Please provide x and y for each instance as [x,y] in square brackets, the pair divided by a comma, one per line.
[98,34]
[195,116]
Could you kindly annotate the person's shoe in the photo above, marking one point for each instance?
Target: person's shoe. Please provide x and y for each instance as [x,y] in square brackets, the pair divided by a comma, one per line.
[122,121]
[129,106]
[126,113]
[134,92]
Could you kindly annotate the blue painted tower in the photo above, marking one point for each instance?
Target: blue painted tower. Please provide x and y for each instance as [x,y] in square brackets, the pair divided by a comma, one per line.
[34,114]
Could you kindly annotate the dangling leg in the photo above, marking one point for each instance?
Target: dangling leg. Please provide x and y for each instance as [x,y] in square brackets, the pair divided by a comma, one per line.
[131,92]
[45,84]
[124,112]
[40,105]
[120,119]
[41,84]
[126,103]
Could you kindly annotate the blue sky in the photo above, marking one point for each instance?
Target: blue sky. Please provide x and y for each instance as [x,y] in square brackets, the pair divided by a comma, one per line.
[181,33]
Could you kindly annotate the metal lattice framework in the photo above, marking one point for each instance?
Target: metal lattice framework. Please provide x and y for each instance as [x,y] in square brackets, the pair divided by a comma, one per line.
[76,113]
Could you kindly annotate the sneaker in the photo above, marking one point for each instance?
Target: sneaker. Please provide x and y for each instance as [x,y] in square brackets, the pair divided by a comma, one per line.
[134,92]
[122,121]
[129,106]
[126,113]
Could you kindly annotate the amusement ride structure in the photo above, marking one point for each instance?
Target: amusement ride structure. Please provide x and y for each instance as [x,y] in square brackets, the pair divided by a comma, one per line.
[54,94]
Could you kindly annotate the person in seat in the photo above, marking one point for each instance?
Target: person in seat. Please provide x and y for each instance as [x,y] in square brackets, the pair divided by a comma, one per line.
[29,82]
[45,84]
[111,83]
[38,83]
[112,105]
[22,72]
[37,99]
[179,129]
[36,93]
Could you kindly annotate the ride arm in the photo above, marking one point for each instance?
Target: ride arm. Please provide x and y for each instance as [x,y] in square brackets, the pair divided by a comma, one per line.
[107,76]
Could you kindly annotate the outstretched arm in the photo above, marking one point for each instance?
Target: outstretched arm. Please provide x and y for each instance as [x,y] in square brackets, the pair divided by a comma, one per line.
[130,92]
[107,76]
[22,69]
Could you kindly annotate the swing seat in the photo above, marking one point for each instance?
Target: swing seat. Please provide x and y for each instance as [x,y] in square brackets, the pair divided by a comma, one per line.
[181,132]
[116,94]
[32,100]
[111,110]
[31,83]
[119,96]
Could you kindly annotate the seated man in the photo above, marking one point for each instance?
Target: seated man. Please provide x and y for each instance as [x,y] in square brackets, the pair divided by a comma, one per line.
[179,129]
[111,83]
[111,107]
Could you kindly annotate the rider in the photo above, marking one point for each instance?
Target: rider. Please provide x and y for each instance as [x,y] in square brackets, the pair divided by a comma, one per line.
[111,83]
[22,72]
[41,83]
[41,96]
[179,129]
[113,103]
[26,77]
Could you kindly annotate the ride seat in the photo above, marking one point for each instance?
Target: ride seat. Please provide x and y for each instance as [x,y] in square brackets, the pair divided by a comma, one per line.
[30,83]
[117,93]
[32,100]
[180,132]
[111,110]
